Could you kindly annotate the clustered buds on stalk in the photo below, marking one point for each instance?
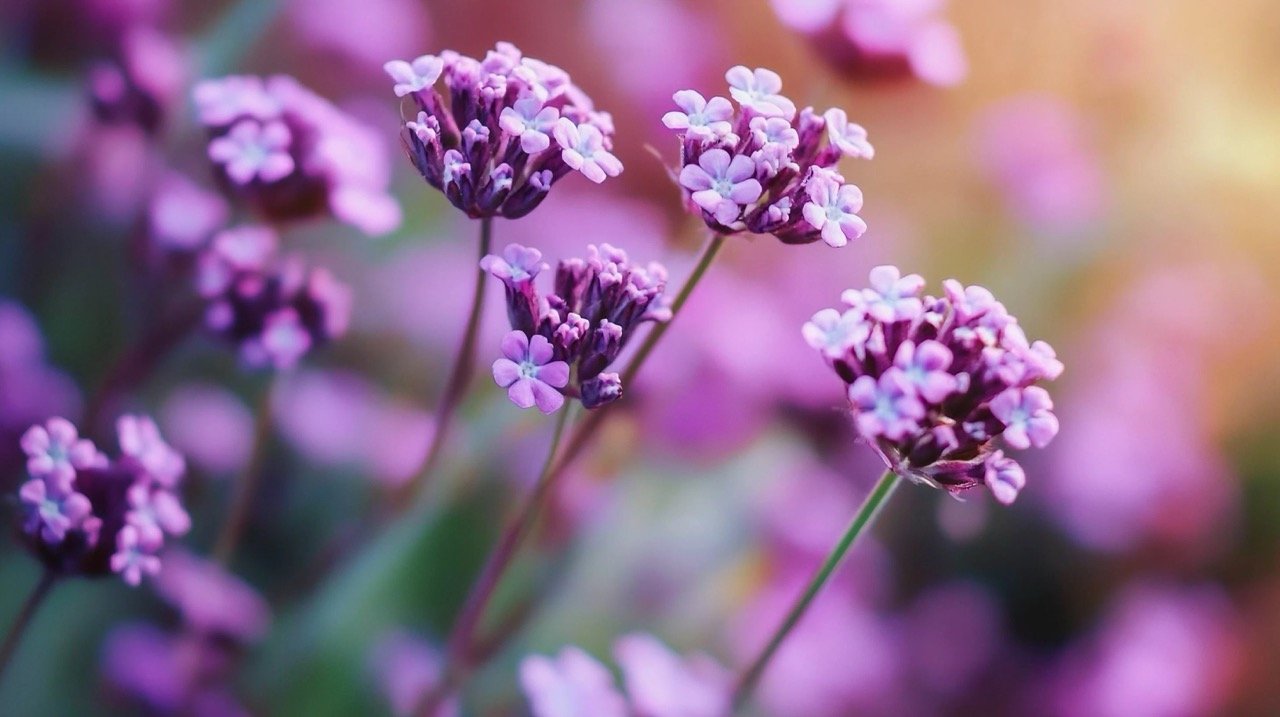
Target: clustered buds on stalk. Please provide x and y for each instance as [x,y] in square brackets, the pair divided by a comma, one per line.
[292,154]
[767,169]
[512,127]
[584,323]
[933,382]
[89,515]
[270,307]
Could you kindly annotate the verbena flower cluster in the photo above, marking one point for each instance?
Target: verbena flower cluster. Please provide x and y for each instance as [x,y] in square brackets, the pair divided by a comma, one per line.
[765,168]
[85,514]
[659,683]
[292,154]
[933,382]
[575,332]
[271,308]
[511,128]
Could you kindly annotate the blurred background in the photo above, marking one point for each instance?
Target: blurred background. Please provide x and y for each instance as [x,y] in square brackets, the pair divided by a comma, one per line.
[1107,169]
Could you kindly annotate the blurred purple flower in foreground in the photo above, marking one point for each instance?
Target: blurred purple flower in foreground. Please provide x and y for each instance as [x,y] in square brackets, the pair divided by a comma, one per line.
[87,515]
[1161,651]
[142,85]
[407,668]
[271,308]
[881,39]
[595,308]
[934,381]
[659,683]
[513,126]
[29,388]
[765,170]
[292,154]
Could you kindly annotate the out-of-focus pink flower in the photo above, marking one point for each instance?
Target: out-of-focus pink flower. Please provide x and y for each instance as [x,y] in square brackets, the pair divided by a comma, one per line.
[365,34]
[210,425]
[406,668]
[212,601]
[661,683]
[292,154]
[340,419]
[1037,152]
[168,674]
[1160,651]
[31,390]
[877,39]
[142,85]
[952,634]
[183,216]
[572,684]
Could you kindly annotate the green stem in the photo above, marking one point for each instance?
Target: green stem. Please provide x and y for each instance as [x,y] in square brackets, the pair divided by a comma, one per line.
[866,514]
[23,620]
[459,379]
[462,638]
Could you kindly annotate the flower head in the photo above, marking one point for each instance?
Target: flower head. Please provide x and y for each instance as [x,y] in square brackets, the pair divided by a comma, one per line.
[572,684]
[291,154]
[934,382]
[272,309]
[95,516]
[595,308]
[486,138]
[769,169]
[55,450]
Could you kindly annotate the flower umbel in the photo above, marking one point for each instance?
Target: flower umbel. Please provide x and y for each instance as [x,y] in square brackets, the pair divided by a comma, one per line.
[934,381]
[595,308]
[273,309]
[93,516]
[512,127]
[292,154]
[768,169]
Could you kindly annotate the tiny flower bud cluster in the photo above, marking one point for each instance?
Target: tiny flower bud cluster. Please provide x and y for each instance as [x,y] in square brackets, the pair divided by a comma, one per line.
[934,381]
[293,155]
[513,126]
[595,308]
[766,169]
[272,308]
[85,514]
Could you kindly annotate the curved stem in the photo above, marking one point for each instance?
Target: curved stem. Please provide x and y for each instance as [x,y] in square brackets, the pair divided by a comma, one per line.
[459,380]
[865,515]
[20,623]
[246,487]
[462,638]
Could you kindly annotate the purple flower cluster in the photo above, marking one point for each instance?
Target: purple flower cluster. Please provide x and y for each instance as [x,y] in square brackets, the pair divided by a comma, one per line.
[273,309]
[292,154]
[596,306]
[659,683]
[140,86]
[512,127]
[767,169]
[934,381]
[85,514]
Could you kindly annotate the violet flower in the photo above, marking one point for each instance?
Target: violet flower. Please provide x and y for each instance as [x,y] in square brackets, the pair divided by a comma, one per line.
[91,516]
[596,306]
[512,127]
[659,683]
[769,169]
[140,86]
[292,154]
[271,308]
[529,374]
[933,382]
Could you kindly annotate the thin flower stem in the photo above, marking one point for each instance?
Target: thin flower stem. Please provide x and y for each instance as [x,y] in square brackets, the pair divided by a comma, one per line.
[246,486]
[866,514]
[459,379]
[462,639]
[23,620]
